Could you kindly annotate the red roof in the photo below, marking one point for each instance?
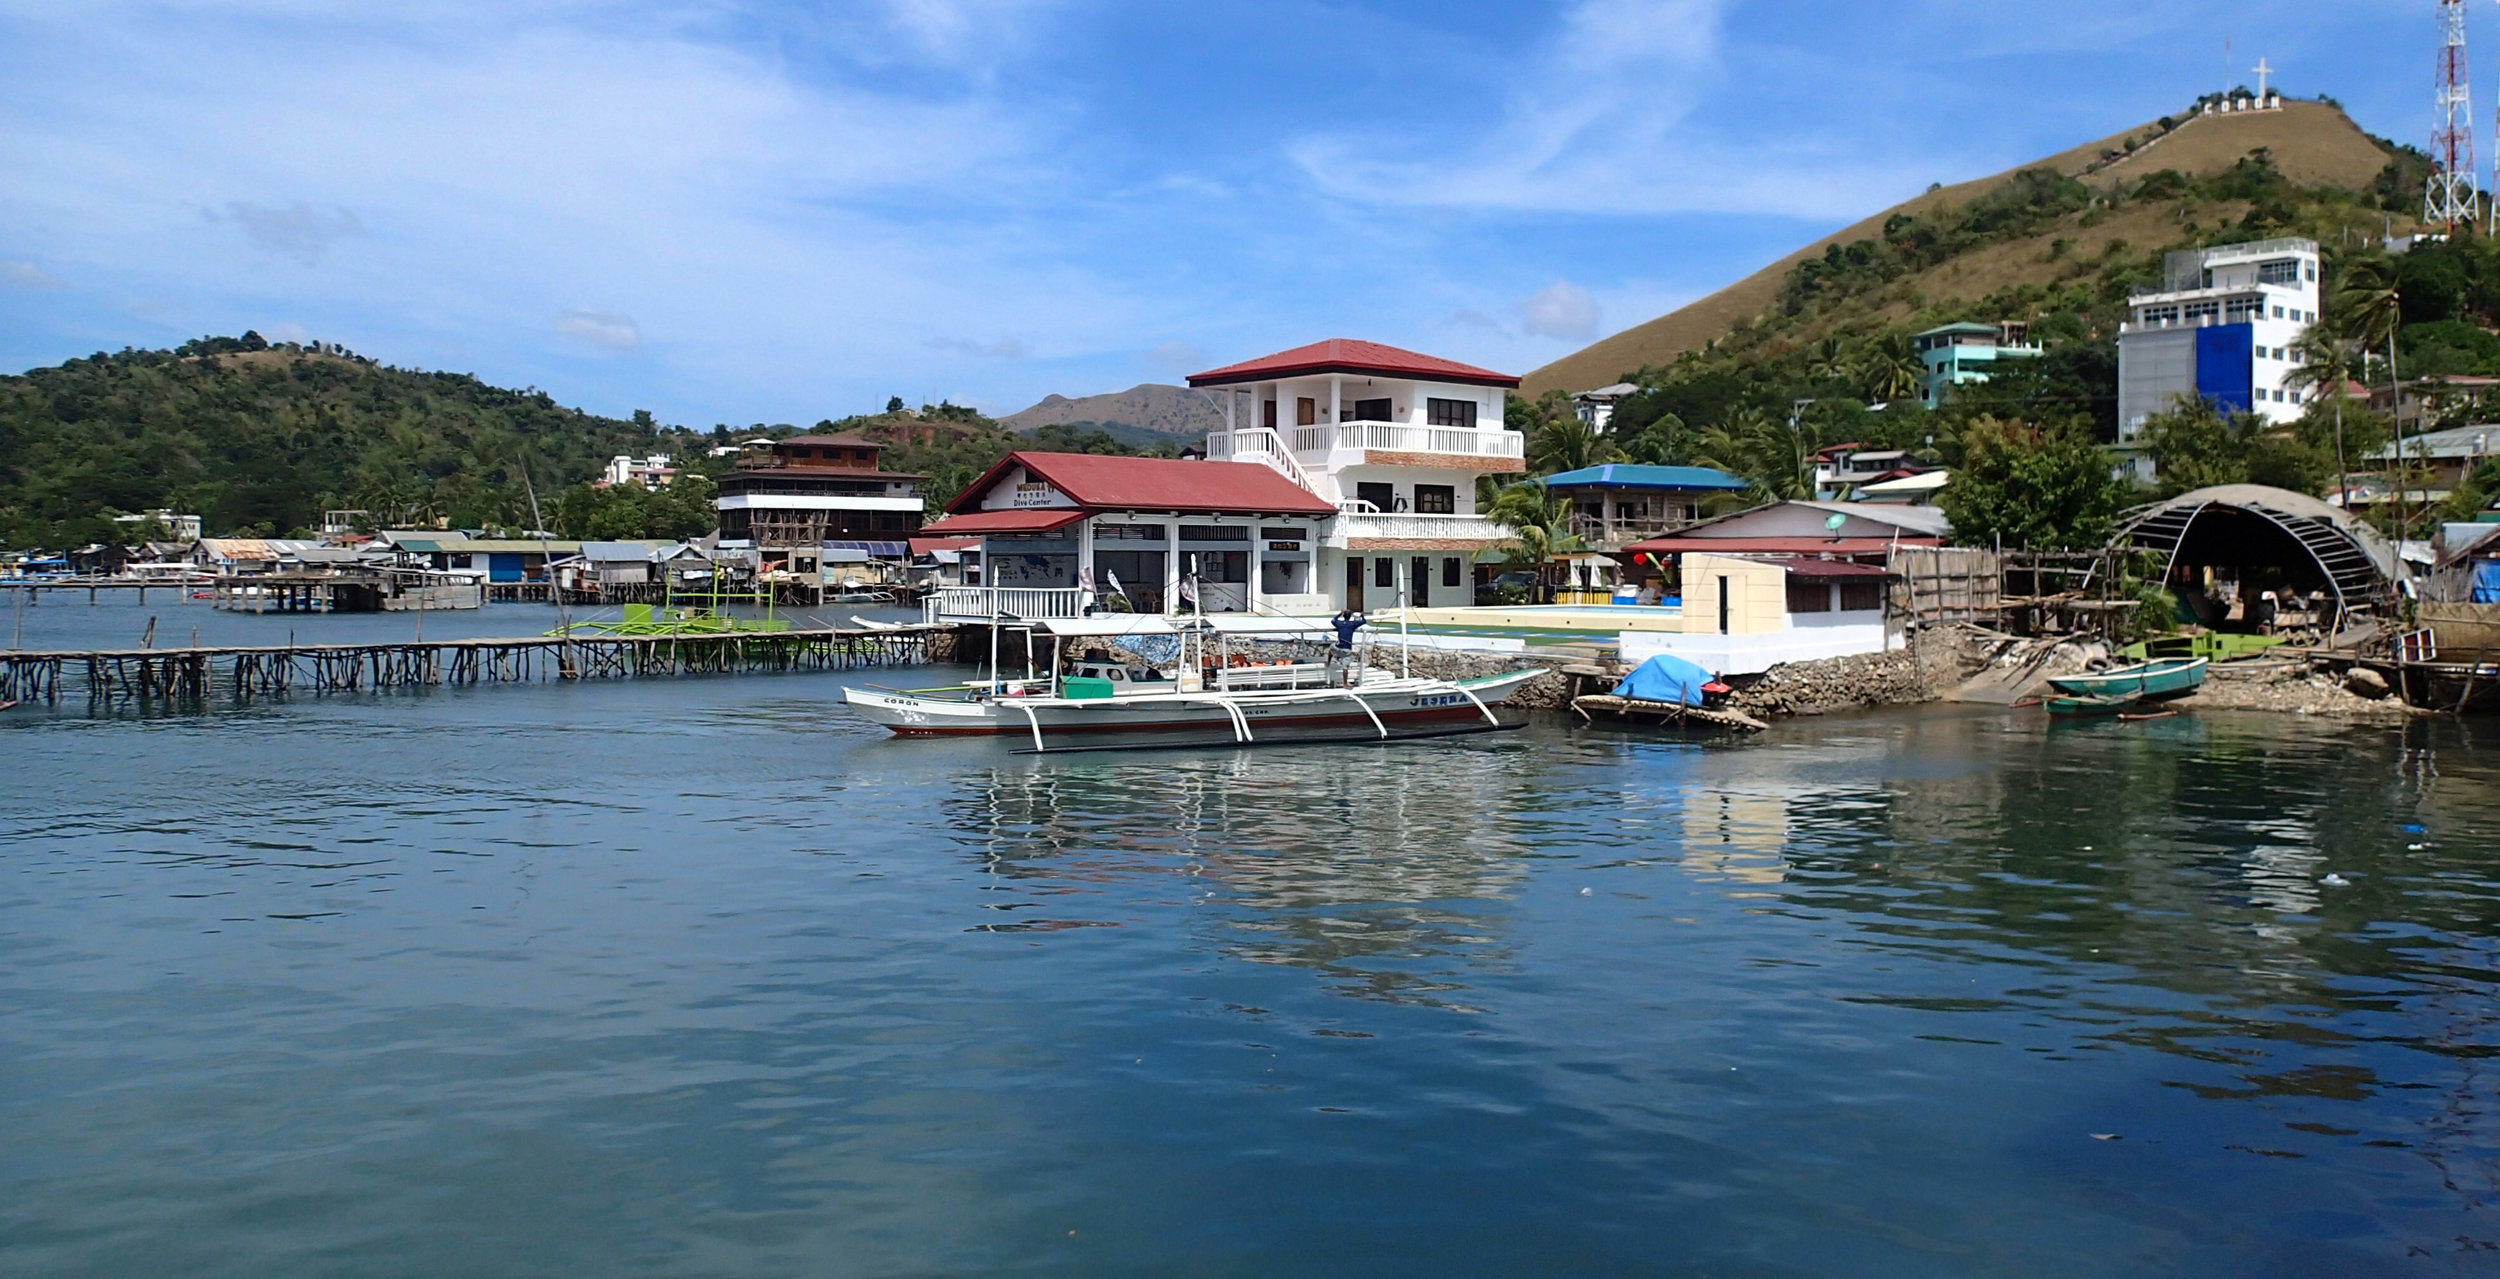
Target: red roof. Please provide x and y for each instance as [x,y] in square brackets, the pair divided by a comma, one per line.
[1034,520]
[924,545]
[1349,355]
[1102,483]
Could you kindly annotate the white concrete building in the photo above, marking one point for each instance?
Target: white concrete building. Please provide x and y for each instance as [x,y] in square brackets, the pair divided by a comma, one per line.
[2221,327]
[1394,440]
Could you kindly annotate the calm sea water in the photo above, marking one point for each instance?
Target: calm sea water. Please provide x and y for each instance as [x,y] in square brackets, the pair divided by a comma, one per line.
[702,977]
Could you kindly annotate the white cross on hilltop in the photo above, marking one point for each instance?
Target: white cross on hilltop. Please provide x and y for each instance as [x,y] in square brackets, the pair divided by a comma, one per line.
[2262,71]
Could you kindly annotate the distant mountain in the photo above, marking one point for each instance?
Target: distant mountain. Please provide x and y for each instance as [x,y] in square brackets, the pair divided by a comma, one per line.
[2311,144]
[1145,414]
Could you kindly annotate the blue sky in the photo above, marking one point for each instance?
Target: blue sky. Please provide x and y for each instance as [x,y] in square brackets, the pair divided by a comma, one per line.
[733,211]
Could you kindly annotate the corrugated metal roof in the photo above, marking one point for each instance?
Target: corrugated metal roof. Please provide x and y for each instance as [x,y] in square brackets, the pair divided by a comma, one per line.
[1633,475]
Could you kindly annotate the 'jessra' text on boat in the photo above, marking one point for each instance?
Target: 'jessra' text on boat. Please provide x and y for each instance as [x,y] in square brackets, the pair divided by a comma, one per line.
[1200,684]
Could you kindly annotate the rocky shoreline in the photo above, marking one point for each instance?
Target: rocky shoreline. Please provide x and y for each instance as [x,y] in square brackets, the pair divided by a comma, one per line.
[1935,663]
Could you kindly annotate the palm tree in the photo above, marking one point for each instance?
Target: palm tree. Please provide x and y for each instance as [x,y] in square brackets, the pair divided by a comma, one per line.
[1888,369]
[2323,360]
[2370,310]
[1540,524]
[1568,443]
[1777,456]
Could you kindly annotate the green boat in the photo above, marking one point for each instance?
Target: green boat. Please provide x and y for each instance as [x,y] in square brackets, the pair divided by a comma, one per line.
[2090,704]
[2157,681]
[2220,646]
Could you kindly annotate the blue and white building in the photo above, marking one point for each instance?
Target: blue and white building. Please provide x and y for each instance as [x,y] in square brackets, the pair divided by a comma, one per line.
[2221,327]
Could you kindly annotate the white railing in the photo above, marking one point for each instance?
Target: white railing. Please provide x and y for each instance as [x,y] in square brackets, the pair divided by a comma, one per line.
[1391,437]
[1259,444]
[981,603]
[1404,525]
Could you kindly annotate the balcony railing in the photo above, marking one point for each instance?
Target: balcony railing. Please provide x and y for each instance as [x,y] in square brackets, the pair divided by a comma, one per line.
[1404,525]
[1597,531]
[981,603]
[1391,437]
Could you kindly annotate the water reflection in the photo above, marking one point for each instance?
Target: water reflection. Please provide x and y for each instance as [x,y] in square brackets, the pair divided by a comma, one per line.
[1374,866]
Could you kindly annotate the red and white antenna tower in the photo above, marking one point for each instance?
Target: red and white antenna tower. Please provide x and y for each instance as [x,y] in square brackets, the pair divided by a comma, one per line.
[2450,198]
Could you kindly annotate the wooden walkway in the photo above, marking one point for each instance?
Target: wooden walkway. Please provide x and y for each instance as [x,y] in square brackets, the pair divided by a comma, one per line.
[161,674]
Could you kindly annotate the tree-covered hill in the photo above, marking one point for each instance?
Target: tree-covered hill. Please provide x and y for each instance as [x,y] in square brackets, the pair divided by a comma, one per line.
[256,438]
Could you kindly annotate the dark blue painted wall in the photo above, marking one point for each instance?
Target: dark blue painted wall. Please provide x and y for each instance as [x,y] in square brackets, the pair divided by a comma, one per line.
[2225,365]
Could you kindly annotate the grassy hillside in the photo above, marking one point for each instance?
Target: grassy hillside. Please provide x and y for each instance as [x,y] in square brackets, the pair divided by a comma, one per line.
[261,439]
[2310,145]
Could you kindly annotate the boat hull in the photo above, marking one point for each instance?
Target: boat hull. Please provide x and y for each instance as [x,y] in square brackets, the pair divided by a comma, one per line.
[2150,681]
[1409,704]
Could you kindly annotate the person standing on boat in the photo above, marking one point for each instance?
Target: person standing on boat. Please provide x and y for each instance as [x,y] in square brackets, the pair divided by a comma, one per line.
[1341,657]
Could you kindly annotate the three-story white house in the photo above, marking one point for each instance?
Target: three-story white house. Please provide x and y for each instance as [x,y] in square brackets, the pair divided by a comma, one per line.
[1393,439]
[1344,477]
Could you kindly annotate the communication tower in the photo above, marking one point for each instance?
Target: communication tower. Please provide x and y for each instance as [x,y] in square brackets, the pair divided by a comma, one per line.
[2450,198]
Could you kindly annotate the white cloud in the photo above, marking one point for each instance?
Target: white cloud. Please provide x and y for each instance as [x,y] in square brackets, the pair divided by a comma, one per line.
[1559,310]
[601,329]
[298,230]
[1603,122]
[26,275]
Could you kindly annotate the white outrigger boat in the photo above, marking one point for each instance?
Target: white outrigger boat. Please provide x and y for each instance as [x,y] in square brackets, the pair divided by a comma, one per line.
[1204,687]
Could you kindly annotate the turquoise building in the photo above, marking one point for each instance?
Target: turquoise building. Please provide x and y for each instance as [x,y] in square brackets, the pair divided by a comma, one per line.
[1959,353]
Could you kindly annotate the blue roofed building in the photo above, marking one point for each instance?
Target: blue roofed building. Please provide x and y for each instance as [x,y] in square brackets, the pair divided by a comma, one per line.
[1617,504]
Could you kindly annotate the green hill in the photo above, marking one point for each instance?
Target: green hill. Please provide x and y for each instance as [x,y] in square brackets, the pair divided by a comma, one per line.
[256,438]
[2108,233]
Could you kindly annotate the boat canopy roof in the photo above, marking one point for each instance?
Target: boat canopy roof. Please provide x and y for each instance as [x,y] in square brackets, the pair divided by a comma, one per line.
[1110,624]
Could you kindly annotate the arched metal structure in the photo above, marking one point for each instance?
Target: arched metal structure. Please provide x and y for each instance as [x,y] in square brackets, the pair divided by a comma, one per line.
[2352,561]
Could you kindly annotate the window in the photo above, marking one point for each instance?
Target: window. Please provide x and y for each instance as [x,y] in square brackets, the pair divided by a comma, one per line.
[1458,413]
[1128,532]
[1808,597]
[1368,411]
[1384,572]
[1861,596]
[1305,411]
[1282,534]
[1214,533]
[1381,496]
[2279,271]
[1449,572]
[1436,499]
[2278,313]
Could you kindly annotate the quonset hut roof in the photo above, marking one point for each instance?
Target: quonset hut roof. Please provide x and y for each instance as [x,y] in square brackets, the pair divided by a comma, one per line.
[2356,562]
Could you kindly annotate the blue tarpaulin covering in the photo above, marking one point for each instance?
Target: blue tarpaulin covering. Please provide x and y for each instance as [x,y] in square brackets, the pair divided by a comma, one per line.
[2486,582]
[1665,678]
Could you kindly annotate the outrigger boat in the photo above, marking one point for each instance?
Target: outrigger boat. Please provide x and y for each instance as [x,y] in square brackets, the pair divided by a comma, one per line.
[2158,681]
[1201,686]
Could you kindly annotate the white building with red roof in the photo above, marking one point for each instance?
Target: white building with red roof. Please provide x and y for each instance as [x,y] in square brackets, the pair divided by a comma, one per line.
[1394,440]
[1345,476]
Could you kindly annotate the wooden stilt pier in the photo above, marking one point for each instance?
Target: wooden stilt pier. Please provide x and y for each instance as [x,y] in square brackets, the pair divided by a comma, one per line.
[175,674]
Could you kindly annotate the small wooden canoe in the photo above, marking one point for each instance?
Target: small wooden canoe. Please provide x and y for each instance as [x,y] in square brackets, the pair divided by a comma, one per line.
[2145,681]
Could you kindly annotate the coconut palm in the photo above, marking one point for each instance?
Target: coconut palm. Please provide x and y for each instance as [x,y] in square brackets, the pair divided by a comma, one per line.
[1777,456]
[2324,363]
[1540,524]
[1567,443]
[2369,310]
[1889,369]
